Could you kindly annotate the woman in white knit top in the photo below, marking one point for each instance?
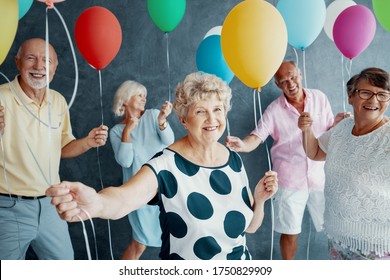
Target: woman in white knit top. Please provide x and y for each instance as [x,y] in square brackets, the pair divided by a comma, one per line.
[357,186]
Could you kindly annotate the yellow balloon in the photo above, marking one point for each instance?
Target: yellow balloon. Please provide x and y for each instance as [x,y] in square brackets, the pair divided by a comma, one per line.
[254,41]
[9,18]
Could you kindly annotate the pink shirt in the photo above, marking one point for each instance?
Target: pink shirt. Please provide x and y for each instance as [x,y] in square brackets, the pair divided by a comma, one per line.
[295,170]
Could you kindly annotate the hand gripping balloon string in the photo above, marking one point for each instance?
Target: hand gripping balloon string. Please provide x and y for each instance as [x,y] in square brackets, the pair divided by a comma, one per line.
[269,160]
[169,70]
[93,230]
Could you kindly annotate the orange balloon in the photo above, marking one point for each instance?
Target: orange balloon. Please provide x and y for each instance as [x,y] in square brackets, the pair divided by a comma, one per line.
[254,41]
[98,36]
[9,18]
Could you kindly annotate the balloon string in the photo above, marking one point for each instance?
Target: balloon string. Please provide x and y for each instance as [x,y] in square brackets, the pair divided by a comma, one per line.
[296,57]
[262,125]
[308,242]
[85,238]
[74,59]
[169,71]
[273,223]
[227,125]
[269,168]
[22,132]
[48,95]
[304,66]
[25,105]
[98,158]
[343,85]
[93,230]
[4,166]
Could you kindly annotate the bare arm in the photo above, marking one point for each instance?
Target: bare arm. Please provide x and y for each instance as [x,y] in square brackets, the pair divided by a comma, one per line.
[249,143]
[110,203]
[309,141]
[264,190]
[96,137]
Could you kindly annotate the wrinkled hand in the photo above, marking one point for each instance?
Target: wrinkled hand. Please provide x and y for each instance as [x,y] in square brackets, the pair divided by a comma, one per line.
[340,116]
[2,123]
[266,187]
[98,136]
[166,110]
[234,143]
[305,121]
[131,122]
[70,197]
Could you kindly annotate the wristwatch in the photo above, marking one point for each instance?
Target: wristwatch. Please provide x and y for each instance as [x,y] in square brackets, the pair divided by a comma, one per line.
[163,125]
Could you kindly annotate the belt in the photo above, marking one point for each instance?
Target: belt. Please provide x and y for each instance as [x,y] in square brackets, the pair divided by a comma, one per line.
[22,196]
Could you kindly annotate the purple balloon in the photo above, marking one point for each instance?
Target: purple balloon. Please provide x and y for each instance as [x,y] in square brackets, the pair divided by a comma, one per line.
[354,30]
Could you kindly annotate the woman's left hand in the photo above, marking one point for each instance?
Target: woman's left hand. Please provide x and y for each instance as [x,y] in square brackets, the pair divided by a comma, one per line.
[166,110]
[266,187]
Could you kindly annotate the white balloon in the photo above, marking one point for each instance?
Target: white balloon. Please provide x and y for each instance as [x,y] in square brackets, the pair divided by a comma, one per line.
[216,30]
[332,12]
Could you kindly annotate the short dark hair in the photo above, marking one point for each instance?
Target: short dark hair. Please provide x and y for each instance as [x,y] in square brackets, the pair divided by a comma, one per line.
[375,76]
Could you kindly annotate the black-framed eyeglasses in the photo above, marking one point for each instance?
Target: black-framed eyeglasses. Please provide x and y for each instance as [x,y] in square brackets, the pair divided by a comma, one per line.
[382,96]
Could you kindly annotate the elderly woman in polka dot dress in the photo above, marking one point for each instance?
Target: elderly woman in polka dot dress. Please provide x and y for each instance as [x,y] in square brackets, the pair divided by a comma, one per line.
[200,185]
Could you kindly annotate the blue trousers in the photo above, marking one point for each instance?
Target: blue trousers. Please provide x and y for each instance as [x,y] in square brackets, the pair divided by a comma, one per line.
[36,223]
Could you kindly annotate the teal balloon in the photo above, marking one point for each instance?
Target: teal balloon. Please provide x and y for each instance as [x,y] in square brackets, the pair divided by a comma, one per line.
[304,20]
[24,6]
[166,14]
[209,58]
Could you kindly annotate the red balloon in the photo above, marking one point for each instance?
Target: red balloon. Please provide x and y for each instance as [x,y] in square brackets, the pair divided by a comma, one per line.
[98,36]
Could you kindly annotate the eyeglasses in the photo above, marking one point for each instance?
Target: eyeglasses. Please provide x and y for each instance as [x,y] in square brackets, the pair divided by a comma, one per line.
[382,96]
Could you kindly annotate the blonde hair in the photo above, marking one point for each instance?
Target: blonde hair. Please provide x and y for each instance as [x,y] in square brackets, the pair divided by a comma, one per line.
[198,86]
[125,91]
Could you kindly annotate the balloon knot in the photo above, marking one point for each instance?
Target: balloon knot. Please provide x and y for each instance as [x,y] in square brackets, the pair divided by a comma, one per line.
[50,3]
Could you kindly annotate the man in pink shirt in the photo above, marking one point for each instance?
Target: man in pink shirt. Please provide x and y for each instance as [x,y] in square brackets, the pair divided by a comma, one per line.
[301,180]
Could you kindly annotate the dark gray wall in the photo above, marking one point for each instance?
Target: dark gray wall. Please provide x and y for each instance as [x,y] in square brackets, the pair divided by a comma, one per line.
[142,57]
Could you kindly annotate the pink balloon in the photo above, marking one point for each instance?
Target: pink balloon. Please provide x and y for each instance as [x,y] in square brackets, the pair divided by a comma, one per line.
[50,3]
[354,30]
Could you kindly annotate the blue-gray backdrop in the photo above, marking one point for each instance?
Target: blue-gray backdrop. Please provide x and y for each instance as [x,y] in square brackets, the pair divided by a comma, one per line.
[142,57]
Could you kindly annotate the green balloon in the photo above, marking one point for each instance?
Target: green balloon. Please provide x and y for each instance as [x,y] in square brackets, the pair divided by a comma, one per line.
[382,12]
[166,14]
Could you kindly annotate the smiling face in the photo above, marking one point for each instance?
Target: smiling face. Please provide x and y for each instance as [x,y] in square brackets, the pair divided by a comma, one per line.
[31,63]
[370,110]
[136,102]
[206,120]
[289,79]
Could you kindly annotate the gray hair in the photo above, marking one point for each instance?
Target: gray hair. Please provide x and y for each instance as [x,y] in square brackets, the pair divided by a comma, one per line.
[125,91]
[197,86]
[375,76]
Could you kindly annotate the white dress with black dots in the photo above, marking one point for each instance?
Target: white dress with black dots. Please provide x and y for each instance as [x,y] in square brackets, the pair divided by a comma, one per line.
[204,210]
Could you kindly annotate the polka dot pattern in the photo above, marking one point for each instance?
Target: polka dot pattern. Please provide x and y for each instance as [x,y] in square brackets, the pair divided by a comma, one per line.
[165,179]
[178,227]
[234,224]
[204,210]
[184,167]
[245,197]
[206,248]
[199,206]
[220,182]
